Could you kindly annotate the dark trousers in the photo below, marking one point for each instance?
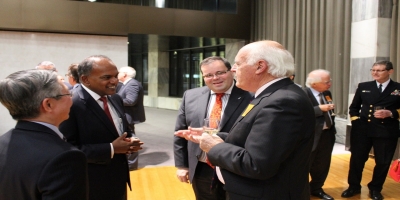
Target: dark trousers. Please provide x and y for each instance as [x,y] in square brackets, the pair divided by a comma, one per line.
[201,184]
[360,146]
[320,160]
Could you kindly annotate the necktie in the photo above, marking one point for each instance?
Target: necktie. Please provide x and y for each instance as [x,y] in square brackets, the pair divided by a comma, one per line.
[328,121]
[217,109]
[380,88]
[107,110]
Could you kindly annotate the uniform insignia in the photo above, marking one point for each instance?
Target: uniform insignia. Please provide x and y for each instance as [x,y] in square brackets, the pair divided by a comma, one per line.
[395,92]
[366,91]
[249,107]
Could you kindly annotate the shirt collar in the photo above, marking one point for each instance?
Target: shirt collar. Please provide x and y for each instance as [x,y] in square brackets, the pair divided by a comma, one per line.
[52,127]
[126,80]
[93,94]
[384,84]
[262,88]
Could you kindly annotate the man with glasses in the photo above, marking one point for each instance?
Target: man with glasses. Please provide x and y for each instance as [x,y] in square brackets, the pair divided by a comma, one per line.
[198,104]
[97,125]
[318,83]
[35,160]
[374,116]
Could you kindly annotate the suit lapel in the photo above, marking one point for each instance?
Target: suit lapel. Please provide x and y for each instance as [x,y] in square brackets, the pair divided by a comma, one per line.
[94,107]
[202,102]
[235,98]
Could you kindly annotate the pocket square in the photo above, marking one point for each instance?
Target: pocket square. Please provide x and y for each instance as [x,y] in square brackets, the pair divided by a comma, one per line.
[395,92]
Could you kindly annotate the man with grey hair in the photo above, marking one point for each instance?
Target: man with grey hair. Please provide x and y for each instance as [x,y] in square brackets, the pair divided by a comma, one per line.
[35,161]
[132,95]
[266,153]
[46,65]
[318,83]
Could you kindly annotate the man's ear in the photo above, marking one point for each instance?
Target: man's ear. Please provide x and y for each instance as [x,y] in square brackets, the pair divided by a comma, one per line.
[46,104]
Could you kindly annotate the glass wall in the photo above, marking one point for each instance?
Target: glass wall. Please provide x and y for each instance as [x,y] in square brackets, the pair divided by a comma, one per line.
[225,6]
[185,55]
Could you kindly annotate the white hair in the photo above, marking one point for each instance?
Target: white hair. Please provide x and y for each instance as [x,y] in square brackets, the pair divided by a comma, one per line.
[130,71]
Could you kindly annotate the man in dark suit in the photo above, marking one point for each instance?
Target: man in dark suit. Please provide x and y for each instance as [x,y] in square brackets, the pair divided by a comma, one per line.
[196,105]
[35,161]
[132,95]
[266,153]
[374,127]
[318,83]
[97,125]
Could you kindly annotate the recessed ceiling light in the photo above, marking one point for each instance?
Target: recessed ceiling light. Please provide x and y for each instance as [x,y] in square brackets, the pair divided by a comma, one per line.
[92,0]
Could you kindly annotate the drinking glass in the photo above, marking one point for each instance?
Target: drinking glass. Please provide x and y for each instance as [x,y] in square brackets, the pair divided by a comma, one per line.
[329,101]
[211,126]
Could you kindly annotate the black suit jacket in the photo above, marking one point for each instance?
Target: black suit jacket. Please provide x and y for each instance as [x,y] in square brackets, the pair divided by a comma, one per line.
[90,130]
[192,112]
[132,95]
[35,163]
[266,153]
[319,116]
[367,96]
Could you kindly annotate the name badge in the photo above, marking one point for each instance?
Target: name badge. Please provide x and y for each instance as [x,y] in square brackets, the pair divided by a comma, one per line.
[249,107]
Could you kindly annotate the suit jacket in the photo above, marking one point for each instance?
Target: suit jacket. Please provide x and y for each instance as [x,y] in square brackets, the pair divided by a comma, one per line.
[35,163]
[89,128]
[132,94]
[266,153]
[367,96]
[192,112]
[319,115]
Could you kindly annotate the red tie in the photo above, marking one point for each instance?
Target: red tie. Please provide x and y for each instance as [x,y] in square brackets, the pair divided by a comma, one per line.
[217,109]
[106,110]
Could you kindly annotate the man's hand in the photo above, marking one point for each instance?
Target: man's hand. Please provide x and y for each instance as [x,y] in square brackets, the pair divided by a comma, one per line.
[327,107]
[382,113]
[193,134]
[183,175]
[209,141]
[126,145]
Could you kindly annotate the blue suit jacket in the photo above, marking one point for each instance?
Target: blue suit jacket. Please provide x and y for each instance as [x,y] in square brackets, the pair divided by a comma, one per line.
[89,128]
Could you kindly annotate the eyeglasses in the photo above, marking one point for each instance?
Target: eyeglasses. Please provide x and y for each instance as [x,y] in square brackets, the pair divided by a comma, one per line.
[61,95]
[217,74]
[377,71]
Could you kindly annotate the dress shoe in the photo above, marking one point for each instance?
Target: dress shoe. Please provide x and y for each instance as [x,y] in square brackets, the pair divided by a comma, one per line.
[375,195]
[350,192]
[322,195]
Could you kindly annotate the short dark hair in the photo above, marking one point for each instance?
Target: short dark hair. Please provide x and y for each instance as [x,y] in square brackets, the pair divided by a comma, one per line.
[73,72]
[388,64]
[85,67]
[211,59]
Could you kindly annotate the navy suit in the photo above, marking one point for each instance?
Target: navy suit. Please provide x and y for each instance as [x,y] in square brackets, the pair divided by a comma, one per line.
[192,112]
[368,131]
[35,163]
[266,153]
[89,128]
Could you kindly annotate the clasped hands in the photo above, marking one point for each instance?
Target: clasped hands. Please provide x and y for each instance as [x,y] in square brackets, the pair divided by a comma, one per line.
[124,145]
[382,113]
[197,135]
